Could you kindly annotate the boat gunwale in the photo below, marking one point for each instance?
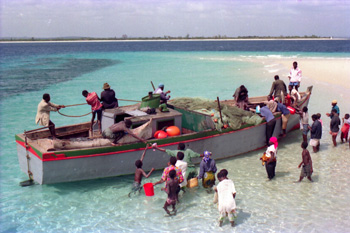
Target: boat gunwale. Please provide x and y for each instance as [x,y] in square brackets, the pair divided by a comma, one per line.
[94,152]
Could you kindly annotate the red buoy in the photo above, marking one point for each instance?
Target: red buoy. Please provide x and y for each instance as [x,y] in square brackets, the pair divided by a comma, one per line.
[160,134]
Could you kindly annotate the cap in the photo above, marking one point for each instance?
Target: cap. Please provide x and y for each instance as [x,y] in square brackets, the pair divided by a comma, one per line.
[334,102]
[161,85]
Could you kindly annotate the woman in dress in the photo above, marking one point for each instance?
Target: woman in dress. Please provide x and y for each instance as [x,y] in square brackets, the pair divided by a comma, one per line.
[271,153]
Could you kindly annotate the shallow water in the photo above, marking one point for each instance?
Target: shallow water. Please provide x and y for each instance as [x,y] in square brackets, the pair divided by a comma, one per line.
[102,205]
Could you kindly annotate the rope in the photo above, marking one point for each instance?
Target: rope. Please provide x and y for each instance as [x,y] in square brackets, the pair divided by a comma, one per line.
[130,100]
[73,116]
[74,105]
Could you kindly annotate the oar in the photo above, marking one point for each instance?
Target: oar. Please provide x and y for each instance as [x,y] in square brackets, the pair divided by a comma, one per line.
[153,86]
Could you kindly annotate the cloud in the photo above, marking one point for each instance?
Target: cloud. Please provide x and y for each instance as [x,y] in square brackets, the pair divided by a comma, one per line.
[105,18]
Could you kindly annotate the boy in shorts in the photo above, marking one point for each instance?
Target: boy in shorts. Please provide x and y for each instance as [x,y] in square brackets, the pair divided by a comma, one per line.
[171,189]
[306,170]
[139,173]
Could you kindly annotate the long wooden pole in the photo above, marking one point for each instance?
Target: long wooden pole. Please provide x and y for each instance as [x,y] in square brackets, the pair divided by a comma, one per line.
[220,110]
[153,86]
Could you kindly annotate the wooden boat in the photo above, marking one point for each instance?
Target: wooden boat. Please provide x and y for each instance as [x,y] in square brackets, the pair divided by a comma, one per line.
[45,166]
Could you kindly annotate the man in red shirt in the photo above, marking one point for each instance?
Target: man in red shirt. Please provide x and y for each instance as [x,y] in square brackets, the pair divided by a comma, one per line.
[96,107]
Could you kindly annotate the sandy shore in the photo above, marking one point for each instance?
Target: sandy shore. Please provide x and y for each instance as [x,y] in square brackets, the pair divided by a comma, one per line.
[335,70]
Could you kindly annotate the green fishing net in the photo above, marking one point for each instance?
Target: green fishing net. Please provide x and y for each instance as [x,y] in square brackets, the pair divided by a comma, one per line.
[233,116]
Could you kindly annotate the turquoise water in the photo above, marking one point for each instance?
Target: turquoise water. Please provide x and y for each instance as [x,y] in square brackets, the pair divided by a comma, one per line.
[103,206]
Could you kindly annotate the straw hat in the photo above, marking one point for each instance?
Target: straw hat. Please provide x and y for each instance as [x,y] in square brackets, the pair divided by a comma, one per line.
[334,102]
[106,86]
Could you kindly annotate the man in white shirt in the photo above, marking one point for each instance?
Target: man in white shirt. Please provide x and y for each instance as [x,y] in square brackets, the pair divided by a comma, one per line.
[183,166]
[294,77]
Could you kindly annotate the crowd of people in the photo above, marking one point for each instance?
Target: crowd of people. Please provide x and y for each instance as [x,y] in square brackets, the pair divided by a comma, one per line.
[181,168]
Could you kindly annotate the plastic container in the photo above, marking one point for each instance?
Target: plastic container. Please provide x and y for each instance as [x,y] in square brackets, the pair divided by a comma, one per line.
[192,183]
[291,110]
[151,101]
[149,190]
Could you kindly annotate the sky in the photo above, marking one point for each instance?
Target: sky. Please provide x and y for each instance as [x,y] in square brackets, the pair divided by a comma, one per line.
[159,18]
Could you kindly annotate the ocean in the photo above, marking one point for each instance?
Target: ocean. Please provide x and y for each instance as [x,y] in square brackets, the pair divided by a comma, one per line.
[206,69]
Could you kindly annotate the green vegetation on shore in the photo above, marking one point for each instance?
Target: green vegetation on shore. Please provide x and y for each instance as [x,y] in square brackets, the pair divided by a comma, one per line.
[187,37]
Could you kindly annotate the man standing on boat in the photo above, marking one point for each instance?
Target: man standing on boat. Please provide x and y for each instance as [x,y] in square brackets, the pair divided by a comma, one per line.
[108,97]
[294,77]
[278,89]
[163,95]
[241,97]
[96,107]
[43,113]
[188,155]
[118,130]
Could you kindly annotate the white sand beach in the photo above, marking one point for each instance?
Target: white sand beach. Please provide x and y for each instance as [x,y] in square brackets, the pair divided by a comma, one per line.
[334,70]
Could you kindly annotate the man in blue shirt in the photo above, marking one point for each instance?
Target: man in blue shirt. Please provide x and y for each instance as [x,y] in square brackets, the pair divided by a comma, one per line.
[334,106]
[316,133]
[270,122]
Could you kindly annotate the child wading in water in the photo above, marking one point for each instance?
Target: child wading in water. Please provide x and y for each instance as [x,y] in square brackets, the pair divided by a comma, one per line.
[306,170]
[139,173]
[171,189]
[226,195]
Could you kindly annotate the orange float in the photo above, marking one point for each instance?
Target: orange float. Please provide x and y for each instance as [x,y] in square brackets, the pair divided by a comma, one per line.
[160,134]
[173,130]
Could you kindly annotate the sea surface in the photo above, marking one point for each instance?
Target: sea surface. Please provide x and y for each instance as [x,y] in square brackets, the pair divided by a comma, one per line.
[206,69]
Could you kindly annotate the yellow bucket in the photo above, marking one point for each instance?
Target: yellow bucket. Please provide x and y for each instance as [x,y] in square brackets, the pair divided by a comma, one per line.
[192,183]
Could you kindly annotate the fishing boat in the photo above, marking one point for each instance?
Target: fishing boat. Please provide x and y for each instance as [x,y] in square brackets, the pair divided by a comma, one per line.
[73,157]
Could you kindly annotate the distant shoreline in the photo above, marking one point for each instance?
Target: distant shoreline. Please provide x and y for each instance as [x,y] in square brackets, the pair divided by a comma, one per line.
[161,40]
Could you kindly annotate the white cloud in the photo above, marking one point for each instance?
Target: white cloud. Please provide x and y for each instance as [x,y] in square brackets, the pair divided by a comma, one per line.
[105,18]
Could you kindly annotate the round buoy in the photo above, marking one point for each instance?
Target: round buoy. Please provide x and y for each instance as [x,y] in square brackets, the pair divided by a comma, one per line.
[160,134]
[173,131]
[291,110]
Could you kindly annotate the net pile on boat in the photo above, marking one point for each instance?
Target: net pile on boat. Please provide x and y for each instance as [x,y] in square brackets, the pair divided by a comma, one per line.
[232,116]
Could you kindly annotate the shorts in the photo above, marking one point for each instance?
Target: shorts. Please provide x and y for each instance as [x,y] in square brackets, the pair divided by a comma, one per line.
[171,201]
[231,215]
[305,129]
[97,111]
[293,84]
[314,142]
[306,171]
[136,186]
[333,133]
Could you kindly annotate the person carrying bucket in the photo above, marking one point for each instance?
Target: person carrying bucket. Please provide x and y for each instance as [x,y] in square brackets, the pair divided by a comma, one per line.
[139,173]
[165,175]
[207,170]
